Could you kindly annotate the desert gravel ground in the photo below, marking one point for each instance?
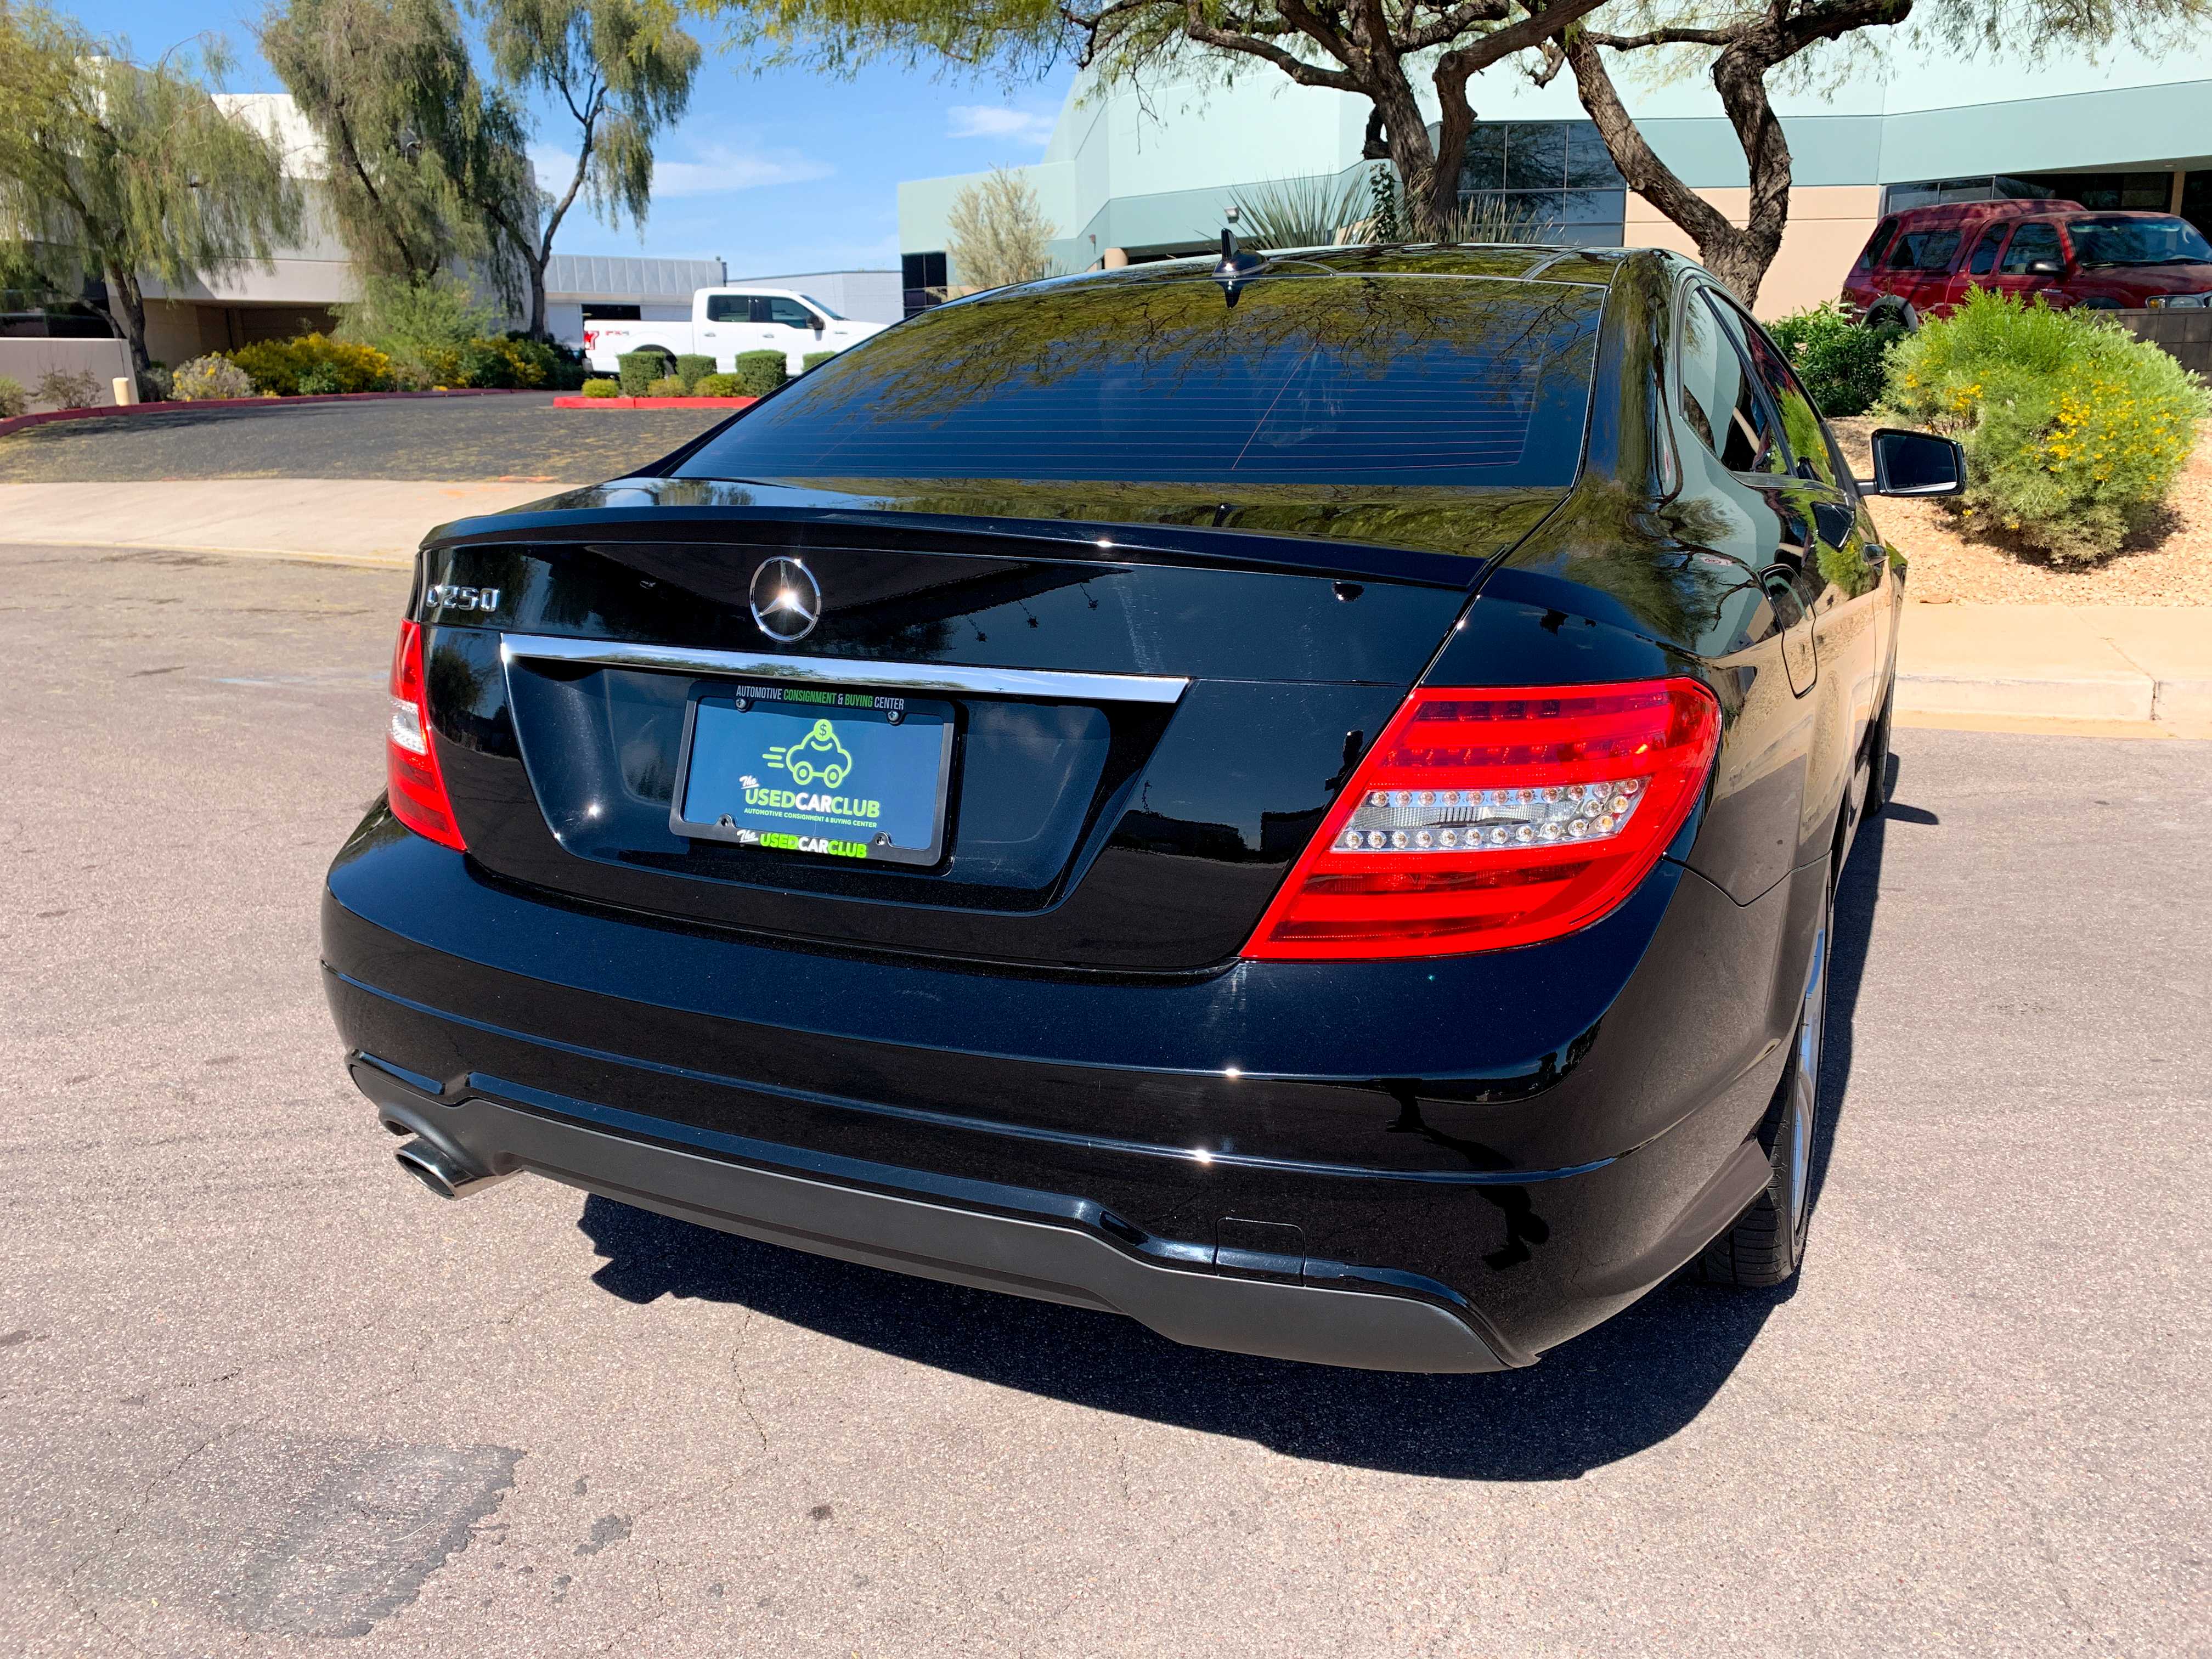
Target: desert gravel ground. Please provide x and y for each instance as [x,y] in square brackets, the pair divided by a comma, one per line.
[2170,564]
[263,1395]
[519,436]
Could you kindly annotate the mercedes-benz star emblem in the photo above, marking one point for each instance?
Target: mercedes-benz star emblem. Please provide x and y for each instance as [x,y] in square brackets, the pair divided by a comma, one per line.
[786,600]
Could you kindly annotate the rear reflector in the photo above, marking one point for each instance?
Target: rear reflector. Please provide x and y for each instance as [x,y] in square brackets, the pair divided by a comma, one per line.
[416,788]
[1482,819]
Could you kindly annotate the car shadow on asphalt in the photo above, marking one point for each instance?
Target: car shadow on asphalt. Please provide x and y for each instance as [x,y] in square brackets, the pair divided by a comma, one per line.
[1624,1387]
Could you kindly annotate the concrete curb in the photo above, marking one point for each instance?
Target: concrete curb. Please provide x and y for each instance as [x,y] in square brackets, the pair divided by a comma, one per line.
[112,411]
[2099,697]
[2182,700]
[577,401]
[2069,662]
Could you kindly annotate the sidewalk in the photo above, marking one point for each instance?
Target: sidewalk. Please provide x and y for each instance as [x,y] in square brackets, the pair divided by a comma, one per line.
[2143,665]
[2079,662]
[377,521]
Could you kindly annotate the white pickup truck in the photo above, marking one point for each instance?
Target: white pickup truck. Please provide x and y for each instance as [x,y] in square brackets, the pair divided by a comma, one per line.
[725,321]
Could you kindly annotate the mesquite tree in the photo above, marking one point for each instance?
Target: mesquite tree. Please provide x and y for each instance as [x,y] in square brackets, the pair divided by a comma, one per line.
[117,172]
[1382,50]
[1755,44]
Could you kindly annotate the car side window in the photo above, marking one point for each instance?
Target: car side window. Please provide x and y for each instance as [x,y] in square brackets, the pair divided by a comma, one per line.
[1984,259]
[1803,431]
[726,308]
[2035,240]
[790,313]
[1923,250]
[1719,399]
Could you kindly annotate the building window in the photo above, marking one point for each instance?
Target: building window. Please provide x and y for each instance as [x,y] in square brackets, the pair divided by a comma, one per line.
[1554,177]
[611,313]
[2148,191]
[2197,201]
[922,277]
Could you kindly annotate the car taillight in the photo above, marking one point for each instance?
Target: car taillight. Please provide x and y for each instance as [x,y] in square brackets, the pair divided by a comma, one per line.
[417,788]
[1485,818]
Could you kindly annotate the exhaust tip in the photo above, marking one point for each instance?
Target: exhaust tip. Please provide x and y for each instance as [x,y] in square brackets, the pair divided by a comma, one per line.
[434,1170]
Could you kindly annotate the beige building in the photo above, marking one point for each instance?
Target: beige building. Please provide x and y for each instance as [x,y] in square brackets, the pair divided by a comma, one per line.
[1146,175]
[296,292]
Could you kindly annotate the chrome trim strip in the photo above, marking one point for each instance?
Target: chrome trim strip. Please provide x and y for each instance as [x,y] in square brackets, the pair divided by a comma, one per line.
[851,670]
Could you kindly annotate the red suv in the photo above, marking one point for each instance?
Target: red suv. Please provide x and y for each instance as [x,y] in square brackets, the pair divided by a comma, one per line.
[1922,262]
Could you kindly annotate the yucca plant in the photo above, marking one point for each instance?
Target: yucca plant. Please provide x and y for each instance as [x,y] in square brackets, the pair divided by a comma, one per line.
[1490,215]
[1315,211]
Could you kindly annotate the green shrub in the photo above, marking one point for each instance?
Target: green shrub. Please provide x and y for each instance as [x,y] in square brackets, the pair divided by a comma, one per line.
[566,369]
[153,382]
[668,385]
[61,388]
[285,367]
[2074,430]
[14,400]
[212,376]
[693,366]
[814,360]
[421,325]
[758,373]
[718,385]
[639,369]
[1838,358]
[531,364]
[601,388]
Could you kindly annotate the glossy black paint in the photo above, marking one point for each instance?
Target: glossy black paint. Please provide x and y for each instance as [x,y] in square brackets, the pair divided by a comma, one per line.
[1529,1138]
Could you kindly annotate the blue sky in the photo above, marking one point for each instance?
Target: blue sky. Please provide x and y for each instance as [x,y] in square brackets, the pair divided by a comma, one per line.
[774,174]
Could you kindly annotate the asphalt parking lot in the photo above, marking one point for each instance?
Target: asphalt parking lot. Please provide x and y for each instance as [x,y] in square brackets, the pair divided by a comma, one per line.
[263,1394]
[516,435]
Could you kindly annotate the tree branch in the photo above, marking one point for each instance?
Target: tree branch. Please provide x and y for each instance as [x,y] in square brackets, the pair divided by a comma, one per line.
[1663,37]
[1305,74]
[1646,174]
[1450,24]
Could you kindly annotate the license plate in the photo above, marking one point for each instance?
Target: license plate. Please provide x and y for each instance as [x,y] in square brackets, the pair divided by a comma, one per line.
[793,769]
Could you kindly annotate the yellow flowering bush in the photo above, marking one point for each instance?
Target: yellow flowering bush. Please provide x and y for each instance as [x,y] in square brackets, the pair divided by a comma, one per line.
[313,363]
[2074,430]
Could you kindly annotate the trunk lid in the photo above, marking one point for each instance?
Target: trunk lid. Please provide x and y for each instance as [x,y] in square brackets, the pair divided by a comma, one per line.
[1143,726]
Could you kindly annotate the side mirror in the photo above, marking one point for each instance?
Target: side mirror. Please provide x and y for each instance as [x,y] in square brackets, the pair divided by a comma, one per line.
[816,319]
[2046,268]
[1915,463]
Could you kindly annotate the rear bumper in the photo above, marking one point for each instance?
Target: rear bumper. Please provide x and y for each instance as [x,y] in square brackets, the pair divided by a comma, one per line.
[1449,1165]
[1000,1238]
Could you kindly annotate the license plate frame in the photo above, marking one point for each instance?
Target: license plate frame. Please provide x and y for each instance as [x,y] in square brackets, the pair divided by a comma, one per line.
[758,808]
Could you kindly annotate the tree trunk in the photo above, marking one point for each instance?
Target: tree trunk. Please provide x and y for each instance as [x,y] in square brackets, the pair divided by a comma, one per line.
[126,309]
[538,264]
[1740,77]
[1738,256]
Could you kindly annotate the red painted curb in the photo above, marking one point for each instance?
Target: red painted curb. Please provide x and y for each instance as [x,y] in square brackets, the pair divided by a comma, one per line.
[567,401]
[17,422]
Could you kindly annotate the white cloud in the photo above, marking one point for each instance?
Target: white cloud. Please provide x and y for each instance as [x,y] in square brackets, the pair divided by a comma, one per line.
[996,121]
[714,169]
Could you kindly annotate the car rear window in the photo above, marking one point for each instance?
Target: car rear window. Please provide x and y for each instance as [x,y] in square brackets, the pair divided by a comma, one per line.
[1874,244]
[1321,379]
[1923,250]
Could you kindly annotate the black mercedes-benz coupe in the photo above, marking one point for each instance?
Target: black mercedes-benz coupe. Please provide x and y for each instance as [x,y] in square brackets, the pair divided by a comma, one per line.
[1298,800]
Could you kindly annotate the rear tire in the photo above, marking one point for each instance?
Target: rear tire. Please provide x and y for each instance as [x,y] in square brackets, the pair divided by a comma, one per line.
[1877,794]
[1767,1241]
[1893,313]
